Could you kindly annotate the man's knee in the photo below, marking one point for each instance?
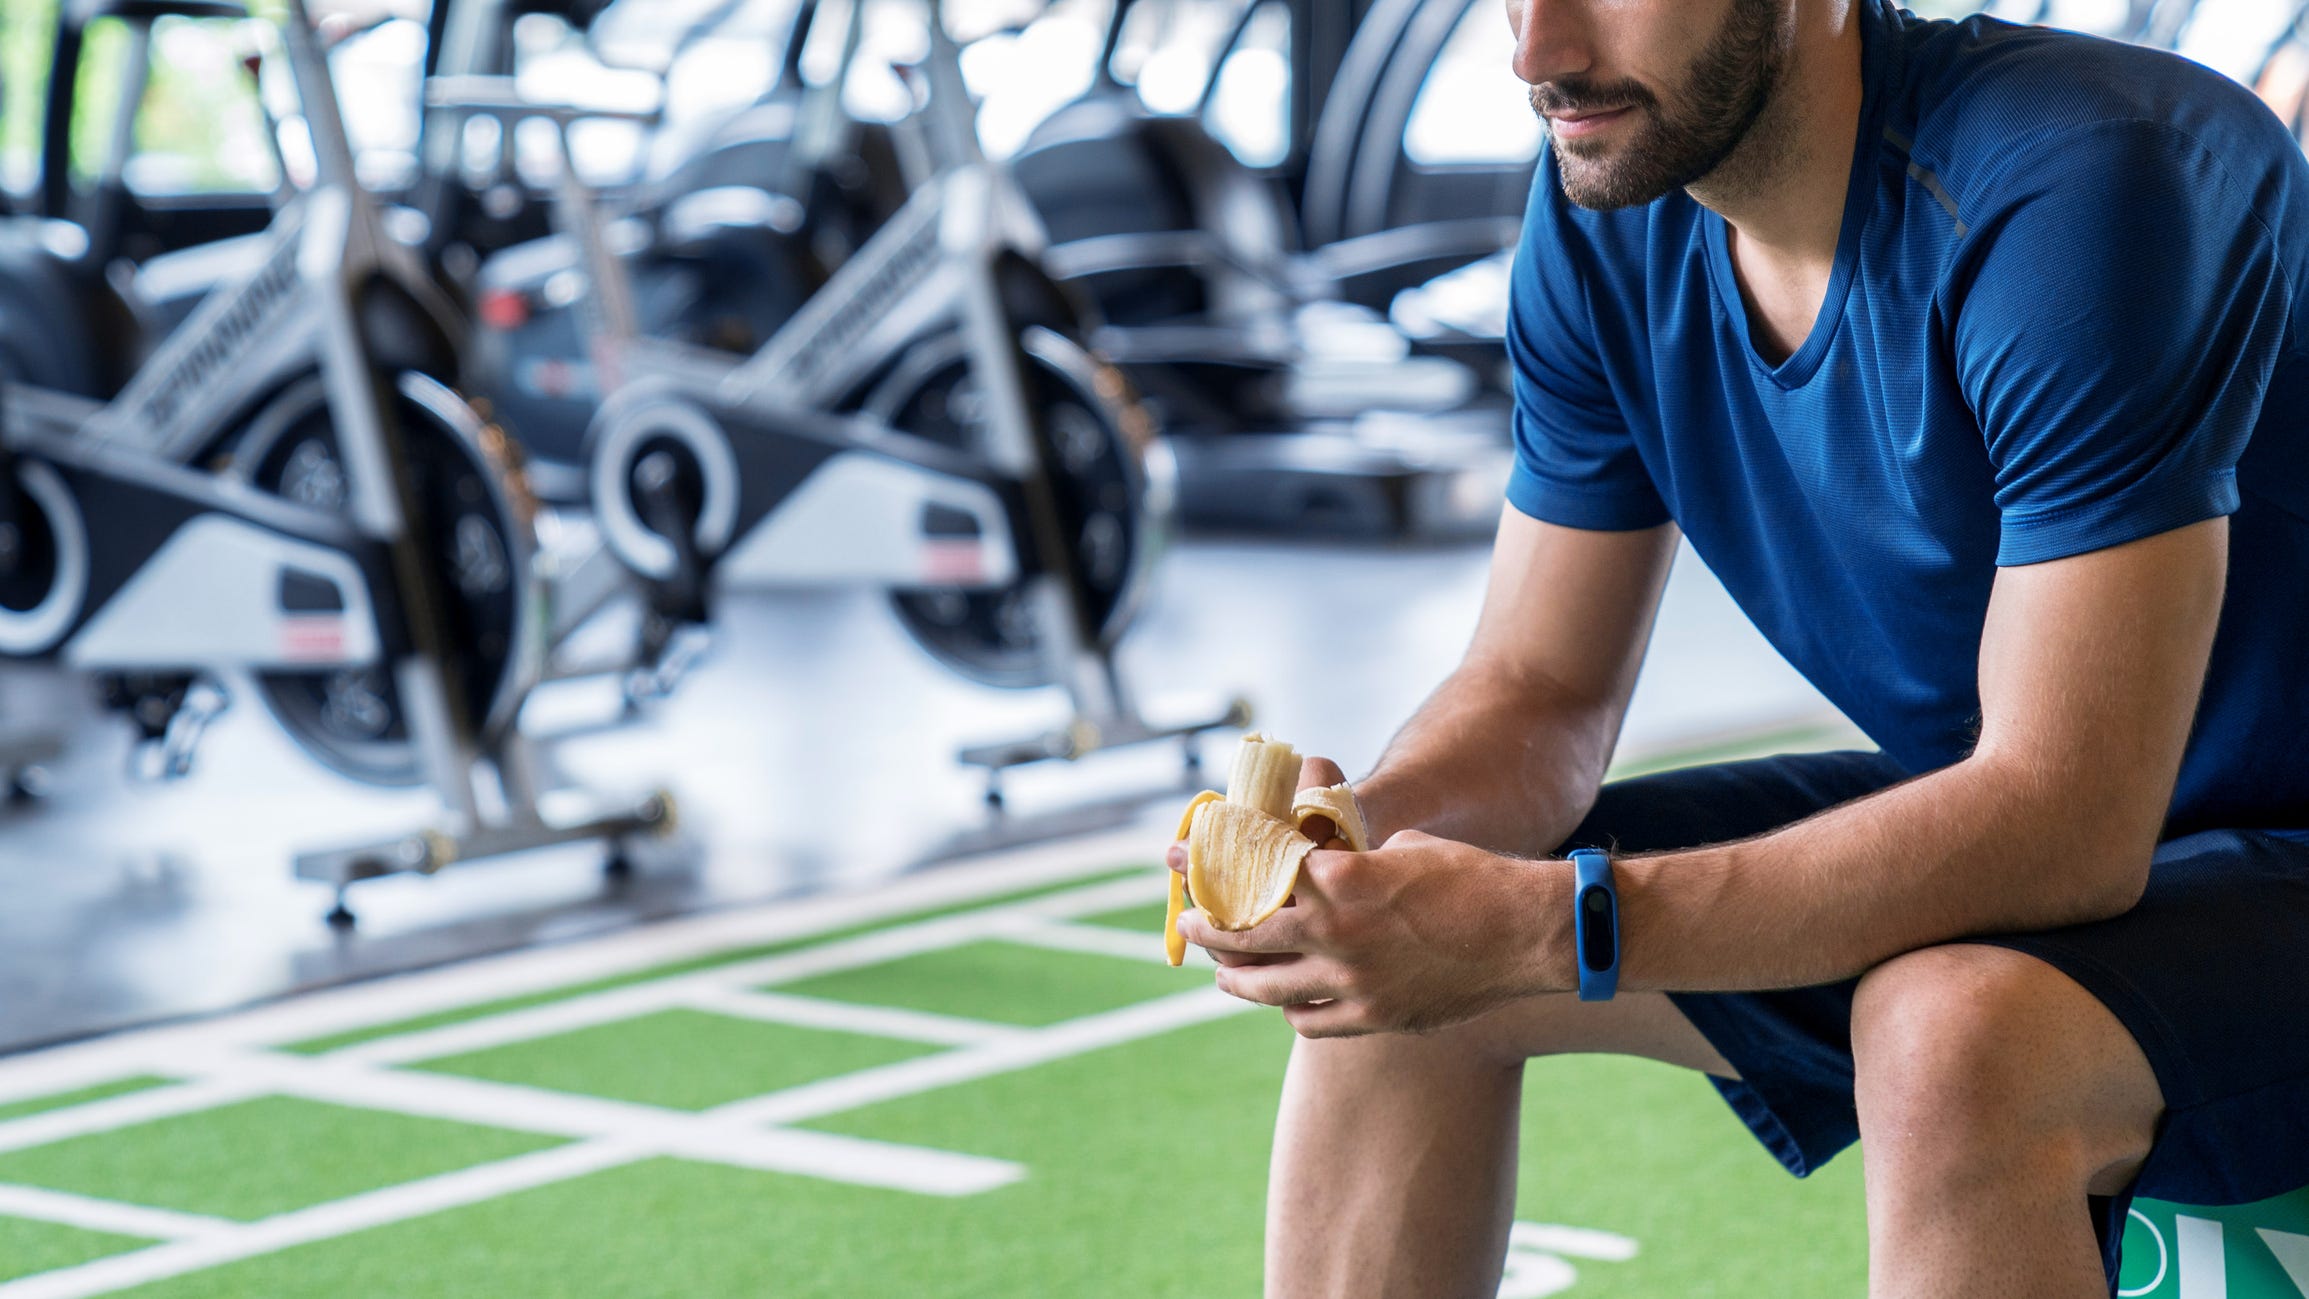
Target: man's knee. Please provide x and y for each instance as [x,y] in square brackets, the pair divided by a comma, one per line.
[1977,1061]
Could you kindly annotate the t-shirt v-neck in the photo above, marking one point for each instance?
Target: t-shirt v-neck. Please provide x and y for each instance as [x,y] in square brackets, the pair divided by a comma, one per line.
[1859,197]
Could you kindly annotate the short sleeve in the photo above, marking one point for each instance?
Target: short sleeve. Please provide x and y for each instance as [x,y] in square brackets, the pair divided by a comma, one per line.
[2117,319]
[1575,463]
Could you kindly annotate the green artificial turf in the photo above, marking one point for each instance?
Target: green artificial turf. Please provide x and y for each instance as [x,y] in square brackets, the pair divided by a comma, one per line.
[1145,919]
[1008,983]
[65,1100]
[1115,1192]
[1627,1146]
[683,1059]
[662,1229]
[1804,737]
[1650,1152]
[481,1010]
[27,1247]
[259,1157]
[1147,1169]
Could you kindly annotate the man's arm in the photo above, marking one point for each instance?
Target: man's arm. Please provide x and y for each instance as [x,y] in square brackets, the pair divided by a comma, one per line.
[1509,751]
[2090,669]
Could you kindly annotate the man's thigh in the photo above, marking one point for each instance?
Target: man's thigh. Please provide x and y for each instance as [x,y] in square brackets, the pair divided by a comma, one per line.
[2209,974]
[1645,1024]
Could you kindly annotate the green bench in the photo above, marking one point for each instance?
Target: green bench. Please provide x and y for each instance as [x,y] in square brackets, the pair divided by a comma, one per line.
[2249,1251]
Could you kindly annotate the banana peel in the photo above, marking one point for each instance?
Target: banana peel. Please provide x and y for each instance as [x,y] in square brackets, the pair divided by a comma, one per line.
[1245,847]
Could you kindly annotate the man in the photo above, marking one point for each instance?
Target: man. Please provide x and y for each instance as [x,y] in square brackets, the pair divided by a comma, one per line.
[1974,359]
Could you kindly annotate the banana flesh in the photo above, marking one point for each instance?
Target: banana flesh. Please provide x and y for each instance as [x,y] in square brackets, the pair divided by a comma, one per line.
[1244,849]
[1242,862]
[1265,775]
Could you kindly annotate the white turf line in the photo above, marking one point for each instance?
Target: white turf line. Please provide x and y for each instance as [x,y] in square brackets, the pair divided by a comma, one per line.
[545,969]
[881,1021]
[923,936]
[931,1072]
[1096,940]
[43,1205]
[668,1131]
[122,1111]
[324,1221]
[351,1076]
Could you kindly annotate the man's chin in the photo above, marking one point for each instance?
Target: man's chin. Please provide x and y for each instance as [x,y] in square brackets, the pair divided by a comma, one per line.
[1599,185]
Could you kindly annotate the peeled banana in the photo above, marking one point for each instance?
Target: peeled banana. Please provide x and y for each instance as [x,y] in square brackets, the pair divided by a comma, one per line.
[1244,847]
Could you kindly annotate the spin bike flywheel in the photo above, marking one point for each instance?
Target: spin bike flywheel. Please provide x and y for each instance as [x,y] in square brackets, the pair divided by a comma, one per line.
[1112,480]
[475,514]
[43,560]
[28,555]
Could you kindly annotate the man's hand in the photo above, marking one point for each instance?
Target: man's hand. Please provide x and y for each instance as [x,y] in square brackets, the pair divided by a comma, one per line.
[1419,934]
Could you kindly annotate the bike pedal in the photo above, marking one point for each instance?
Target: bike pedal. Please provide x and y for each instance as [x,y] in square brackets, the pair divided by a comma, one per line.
[682,651]
[169,755]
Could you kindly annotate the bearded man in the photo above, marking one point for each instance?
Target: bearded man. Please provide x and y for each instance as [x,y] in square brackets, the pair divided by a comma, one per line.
[1974,359]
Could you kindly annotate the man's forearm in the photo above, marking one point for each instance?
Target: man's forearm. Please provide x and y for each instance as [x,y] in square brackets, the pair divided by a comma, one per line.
[1494,762]
[1976,848]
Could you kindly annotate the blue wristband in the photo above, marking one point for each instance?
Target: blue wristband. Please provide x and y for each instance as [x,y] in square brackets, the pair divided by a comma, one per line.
[1595,924]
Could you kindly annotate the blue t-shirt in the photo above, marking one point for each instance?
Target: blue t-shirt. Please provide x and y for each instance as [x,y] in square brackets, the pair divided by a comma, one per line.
[2070,309]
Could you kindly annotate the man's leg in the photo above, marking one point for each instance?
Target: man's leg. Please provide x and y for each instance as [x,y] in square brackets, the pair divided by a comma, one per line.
[1394,1161]
[1995,1095]
[1395,1155]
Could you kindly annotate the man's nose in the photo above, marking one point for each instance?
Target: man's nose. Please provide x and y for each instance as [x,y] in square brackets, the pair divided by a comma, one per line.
[1551,39]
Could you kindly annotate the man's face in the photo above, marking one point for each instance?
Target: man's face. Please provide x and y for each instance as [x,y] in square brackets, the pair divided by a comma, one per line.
[1642,97]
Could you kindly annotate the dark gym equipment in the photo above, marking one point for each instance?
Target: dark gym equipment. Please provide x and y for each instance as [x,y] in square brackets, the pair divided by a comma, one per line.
[1221,285]
[78,325]
[120,222]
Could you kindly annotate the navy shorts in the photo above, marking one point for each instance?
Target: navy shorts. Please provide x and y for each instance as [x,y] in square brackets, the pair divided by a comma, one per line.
[2210,972]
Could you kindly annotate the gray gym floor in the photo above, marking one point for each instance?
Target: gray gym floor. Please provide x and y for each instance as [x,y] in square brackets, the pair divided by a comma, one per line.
[813,751]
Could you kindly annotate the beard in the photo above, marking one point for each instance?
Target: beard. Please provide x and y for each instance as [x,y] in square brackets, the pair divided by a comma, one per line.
[1672,146]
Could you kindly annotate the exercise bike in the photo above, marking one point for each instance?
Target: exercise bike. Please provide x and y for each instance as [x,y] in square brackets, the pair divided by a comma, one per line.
[720,250]
[925,423]
[281,491]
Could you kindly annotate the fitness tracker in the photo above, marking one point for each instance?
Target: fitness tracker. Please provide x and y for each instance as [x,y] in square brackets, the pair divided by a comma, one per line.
[1595,923]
